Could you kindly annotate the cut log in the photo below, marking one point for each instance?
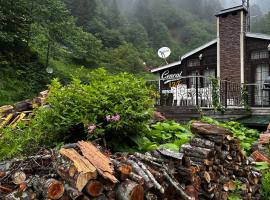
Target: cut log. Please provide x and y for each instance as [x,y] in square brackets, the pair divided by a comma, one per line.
[18,177]
[259,157]
[73,193]
[199,142]
[94,188]
[129,190]
[49,188]
[100,161]
[21,195]
[6,120]
[198,152]
[17,119]
[202,128]
[6,109]
[79,172]
[23,105]
[141,173]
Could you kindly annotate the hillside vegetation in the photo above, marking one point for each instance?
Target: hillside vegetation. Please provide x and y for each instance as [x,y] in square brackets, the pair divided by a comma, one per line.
[119,35]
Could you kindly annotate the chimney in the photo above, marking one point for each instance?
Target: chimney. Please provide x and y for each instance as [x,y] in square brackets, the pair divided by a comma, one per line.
[231,28]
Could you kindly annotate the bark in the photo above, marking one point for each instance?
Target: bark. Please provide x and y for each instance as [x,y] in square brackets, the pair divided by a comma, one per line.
[129,190]
[94,188]
[202,128]
[97,159]
[78,171]
[49,188]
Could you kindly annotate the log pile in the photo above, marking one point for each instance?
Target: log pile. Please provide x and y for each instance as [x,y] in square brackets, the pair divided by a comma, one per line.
[205,168]
[11,115]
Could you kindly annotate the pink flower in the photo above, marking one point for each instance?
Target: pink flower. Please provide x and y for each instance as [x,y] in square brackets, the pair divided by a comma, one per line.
[114,118]
[108,118]
[91,128]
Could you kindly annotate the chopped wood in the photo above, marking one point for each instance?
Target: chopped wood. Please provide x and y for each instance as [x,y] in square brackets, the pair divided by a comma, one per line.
[202,128]
[101,162]
[129,190]
[6,120]
[18,177]
[259,157]
[6,109]
[49,188]
[94,188]
[81,167]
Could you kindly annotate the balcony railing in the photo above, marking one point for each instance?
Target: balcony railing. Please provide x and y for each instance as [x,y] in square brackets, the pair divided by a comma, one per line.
[202,93]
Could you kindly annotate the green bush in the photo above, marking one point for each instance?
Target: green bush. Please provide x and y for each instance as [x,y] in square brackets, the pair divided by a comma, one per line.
[265,188]
[115,107]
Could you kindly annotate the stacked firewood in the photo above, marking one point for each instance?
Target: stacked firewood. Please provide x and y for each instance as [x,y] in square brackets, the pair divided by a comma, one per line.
[223,166]
[206,168]
[11,115]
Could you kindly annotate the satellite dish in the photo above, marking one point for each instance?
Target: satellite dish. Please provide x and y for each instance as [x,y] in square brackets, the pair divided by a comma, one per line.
[49,70]
[164,52]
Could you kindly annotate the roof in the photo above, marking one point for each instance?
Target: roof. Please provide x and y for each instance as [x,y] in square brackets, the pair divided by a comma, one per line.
[233,9]
[185,56]
[258,36]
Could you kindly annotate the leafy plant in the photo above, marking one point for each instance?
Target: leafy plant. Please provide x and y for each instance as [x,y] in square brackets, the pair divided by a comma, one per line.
[170,135]
[116,107]
[265,187]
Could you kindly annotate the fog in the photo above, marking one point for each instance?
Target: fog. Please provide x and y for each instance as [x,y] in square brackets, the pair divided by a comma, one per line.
[264,5]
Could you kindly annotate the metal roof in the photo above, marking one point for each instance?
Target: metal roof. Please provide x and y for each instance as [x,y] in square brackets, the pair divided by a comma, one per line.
[258,36]
[185,56]
[229,10]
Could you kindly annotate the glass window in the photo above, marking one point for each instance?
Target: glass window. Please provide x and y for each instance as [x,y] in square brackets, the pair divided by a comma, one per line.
[261,96]
[192,79]
[193,63]
[208,74]
[259,55]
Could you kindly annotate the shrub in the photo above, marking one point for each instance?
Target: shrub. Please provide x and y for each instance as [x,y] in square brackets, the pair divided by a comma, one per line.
[265,188]
[115,107]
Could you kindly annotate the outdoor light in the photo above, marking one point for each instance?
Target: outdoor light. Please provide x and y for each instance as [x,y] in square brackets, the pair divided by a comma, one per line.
[200,56]
[268,47]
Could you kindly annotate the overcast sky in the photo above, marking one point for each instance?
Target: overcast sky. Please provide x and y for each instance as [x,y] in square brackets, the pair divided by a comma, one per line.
[264,4]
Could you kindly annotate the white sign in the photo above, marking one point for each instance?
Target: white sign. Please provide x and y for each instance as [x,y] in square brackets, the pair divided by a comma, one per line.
[167,76]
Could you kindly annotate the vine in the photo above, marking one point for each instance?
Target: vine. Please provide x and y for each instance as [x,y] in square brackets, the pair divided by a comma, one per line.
[244,98]
[216,96]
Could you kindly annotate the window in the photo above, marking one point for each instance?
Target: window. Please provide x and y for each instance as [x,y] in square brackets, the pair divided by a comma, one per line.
[261,96]
[192,79]
[259,55]
[193,63]
[208,74]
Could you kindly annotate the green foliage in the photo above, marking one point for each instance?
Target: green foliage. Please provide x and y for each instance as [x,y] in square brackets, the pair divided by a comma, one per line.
[86,103]
[246,135]
[169,135]
[234,194]
[265,187]
[262,166]
[216,95]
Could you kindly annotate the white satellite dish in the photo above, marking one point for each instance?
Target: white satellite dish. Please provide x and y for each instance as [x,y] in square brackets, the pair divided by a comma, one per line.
[49,70]
[164,52]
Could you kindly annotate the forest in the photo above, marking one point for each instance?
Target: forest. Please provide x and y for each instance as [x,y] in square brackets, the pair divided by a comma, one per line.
[43,39]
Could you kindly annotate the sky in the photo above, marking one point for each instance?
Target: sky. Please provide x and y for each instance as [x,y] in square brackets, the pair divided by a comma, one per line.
[264,4]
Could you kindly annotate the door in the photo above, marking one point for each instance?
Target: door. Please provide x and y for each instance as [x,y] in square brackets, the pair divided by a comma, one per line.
[261,96]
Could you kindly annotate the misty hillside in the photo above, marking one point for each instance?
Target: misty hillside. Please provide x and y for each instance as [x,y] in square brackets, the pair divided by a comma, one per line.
[44,39]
